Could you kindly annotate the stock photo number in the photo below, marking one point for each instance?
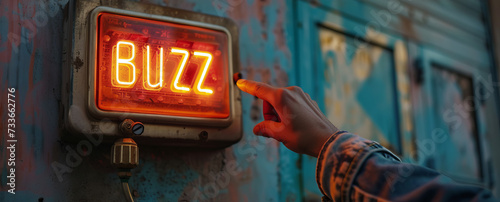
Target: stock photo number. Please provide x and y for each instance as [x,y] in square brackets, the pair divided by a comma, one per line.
[11,140]
[11,108]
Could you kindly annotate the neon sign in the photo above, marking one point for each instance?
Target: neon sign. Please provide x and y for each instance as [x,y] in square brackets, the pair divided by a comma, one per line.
[155,67]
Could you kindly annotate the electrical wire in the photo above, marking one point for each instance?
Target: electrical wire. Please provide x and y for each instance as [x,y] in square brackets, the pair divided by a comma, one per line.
[126,191]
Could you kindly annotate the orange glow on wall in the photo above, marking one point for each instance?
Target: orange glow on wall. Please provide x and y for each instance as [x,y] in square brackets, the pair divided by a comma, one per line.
[154,67]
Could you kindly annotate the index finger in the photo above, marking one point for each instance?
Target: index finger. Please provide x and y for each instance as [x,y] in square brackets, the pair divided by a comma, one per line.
[259,89]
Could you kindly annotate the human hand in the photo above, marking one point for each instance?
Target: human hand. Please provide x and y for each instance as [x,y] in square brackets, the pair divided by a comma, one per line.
[291,117]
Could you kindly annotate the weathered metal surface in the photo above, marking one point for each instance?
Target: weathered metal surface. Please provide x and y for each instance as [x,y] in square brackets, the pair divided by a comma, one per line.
[250,170]
[279,44]
[459,155]
[438,24]
[456,110]
[404,100]
[359,88]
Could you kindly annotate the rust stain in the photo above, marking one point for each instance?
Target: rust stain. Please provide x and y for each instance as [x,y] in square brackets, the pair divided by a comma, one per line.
[281,79]
[239,12]
[255,113]
[279,29]
[265,75]
[179,4]
[32,64]
[260,12]
[78,63]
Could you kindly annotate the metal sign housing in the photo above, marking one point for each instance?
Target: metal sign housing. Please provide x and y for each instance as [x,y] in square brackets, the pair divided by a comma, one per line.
[82,117]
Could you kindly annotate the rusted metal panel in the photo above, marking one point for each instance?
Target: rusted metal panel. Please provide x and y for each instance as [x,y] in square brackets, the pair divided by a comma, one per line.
[417,96]
[359,93]
[419,22]
[461,154]
[359,78]
[255,169]
[494,21]
[465,15]
[432,22]
[454,99]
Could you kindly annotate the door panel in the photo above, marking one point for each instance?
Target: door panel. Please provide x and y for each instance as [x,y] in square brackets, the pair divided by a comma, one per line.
[458,155]
[454,139]
[359,88]
[358,78]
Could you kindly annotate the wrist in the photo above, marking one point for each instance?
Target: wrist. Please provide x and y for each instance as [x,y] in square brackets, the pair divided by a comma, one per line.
[320,143]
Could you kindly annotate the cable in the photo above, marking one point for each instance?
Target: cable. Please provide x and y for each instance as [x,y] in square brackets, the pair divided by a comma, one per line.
[126,191]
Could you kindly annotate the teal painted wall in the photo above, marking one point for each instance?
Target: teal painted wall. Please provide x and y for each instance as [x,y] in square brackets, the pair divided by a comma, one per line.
[31,63]
[281,43]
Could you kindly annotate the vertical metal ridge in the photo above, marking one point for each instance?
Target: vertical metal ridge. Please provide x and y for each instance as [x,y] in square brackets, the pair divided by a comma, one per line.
[137,155]
[113,152]
[129,154]
[121,156]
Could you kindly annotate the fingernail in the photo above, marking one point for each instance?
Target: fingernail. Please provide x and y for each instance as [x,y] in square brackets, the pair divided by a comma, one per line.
[240,82]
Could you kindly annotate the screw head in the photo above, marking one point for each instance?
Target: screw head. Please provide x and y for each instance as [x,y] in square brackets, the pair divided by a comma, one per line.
[138,128]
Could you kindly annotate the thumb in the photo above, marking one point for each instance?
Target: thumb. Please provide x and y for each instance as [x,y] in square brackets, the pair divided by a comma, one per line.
[268,129]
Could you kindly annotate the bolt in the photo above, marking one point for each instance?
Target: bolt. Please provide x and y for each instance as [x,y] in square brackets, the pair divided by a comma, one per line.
[128,127]
[203,135]
[107,38]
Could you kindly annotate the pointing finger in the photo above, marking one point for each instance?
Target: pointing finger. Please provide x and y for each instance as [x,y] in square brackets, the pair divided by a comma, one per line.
[261,90]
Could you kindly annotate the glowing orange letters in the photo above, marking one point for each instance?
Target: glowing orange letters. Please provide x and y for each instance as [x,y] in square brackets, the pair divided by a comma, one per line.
[175,84]
[124,69]
[118,71]
[147,77]
[201,77]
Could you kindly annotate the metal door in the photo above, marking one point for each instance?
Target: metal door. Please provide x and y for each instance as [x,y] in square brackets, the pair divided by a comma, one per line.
[456,113]
[402,85]
[359,79]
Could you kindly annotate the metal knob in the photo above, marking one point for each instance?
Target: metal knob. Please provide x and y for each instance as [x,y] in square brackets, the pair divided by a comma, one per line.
[125,154]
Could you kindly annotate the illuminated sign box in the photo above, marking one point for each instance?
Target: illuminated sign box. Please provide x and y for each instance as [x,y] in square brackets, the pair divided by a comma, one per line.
[156,67]
[168,68]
